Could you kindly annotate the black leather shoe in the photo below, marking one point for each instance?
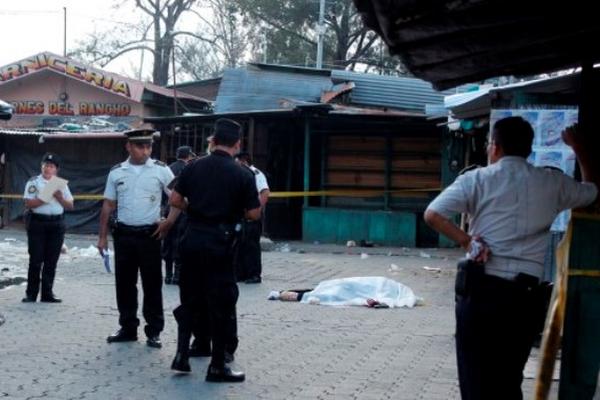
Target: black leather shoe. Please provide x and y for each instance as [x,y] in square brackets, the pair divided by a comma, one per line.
[28,299]
[50,299]
[254,279]
[122,336]
[200,349]
[154,341]
[224,374]
[181,363]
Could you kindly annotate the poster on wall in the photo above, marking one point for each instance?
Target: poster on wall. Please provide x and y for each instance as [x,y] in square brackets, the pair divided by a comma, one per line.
[549,150]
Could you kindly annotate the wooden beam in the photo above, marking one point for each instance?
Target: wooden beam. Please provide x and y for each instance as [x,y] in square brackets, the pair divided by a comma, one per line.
[306,159]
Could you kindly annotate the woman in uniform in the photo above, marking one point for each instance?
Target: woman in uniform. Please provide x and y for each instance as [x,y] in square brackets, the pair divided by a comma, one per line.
[45,230]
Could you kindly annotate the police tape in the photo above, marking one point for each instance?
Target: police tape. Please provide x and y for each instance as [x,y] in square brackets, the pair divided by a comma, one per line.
[588,273]
[316,193]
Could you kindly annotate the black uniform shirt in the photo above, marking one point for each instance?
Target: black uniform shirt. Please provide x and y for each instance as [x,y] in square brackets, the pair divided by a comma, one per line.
[177,167]
[217,189]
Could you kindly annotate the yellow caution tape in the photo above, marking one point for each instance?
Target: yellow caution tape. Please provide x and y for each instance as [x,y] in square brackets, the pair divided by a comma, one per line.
[349,193]
[591,273]
[76,197]
[315,193]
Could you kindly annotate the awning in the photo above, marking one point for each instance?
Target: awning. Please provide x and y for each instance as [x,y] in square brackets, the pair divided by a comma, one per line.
[449,42]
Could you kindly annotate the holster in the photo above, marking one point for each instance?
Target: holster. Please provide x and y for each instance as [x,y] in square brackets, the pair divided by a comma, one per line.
[468,274]
[27,218]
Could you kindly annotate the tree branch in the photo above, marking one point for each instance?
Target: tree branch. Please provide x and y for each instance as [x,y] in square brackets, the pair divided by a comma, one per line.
[194,35]
[280,27]
[113,56]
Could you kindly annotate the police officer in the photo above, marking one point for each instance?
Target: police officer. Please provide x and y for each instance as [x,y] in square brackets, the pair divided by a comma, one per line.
[249,263]
[499,297]
[134,187]
[216,194]
[184,155]
[45,230]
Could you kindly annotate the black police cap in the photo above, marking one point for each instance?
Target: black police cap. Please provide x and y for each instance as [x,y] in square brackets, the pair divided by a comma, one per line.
[184,152]
[51,158]
[227,130]
[140,135]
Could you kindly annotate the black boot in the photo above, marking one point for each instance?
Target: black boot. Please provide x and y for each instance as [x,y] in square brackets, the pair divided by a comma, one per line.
[181,362]
[224,374]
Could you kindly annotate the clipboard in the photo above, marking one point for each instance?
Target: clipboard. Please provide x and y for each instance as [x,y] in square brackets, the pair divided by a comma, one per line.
[55,183]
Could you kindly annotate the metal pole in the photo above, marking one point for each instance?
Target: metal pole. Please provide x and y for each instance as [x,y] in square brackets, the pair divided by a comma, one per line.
[65,32]
[321,32]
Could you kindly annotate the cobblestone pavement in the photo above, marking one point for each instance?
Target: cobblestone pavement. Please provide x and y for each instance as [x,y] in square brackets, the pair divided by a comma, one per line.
[288,350]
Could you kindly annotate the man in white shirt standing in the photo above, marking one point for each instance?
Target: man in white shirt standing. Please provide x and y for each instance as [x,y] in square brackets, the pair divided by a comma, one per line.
[45,231]
[249,263]
[511,205]
[134,188]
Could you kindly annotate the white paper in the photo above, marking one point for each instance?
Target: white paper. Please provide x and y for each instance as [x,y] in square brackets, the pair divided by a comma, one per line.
[55,183]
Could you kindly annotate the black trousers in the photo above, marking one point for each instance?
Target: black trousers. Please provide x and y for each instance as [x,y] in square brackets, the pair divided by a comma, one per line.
[248,260]
[208,290]
[496,323]
[136,250]
[44,241]
[170,245]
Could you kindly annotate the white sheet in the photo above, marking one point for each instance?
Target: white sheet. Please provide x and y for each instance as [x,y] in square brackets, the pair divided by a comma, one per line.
[356,290]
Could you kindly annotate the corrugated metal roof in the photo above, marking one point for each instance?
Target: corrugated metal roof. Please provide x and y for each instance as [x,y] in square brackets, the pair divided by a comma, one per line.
[245,89]
[389,91]
[56,134]
[478,103]
[264,87]
[19,132]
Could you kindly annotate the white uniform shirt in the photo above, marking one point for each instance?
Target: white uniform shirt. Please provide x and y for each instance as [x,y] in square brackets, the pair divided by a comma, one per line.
[511,205]
[260,178]
[138,191]
[34,186]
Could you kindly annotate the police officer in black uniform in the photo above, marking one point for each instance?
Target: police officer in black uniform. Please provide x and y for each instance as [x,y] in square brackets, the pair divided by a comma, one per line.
[169,251]
[45,230]
[216,194]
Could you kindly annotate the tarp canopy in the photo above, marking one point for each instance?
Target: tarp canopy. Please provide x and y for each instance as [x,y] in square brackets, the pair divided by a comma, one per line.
[449,42]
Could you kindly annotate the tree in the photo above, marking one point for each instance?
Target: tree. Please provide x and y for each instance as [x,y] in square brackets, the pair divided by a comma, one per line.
[155,33]
[229,45]
[289,31]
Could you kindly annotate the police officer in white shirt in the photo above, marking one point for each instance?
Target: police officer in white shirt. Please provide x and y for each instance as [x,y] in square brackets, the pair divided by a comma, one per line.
[134,187]
[249,263]
[45,231]
[498,297]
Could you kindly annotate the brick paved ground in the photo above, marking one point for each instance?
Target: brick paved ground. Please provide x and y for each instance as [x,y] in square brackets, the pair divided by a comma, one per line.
[288,350]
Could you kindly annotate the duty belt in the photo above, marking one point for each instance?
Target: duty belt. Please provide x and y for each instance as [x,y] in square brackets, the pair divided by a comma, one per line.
[45,217]
[136,229]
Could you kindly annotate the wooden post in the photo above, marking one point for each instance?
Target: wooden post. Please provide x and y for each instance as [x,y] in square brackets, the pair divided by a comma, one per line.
[324,138]
[250,144]
[389,153]
[580,347]
[306,159]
